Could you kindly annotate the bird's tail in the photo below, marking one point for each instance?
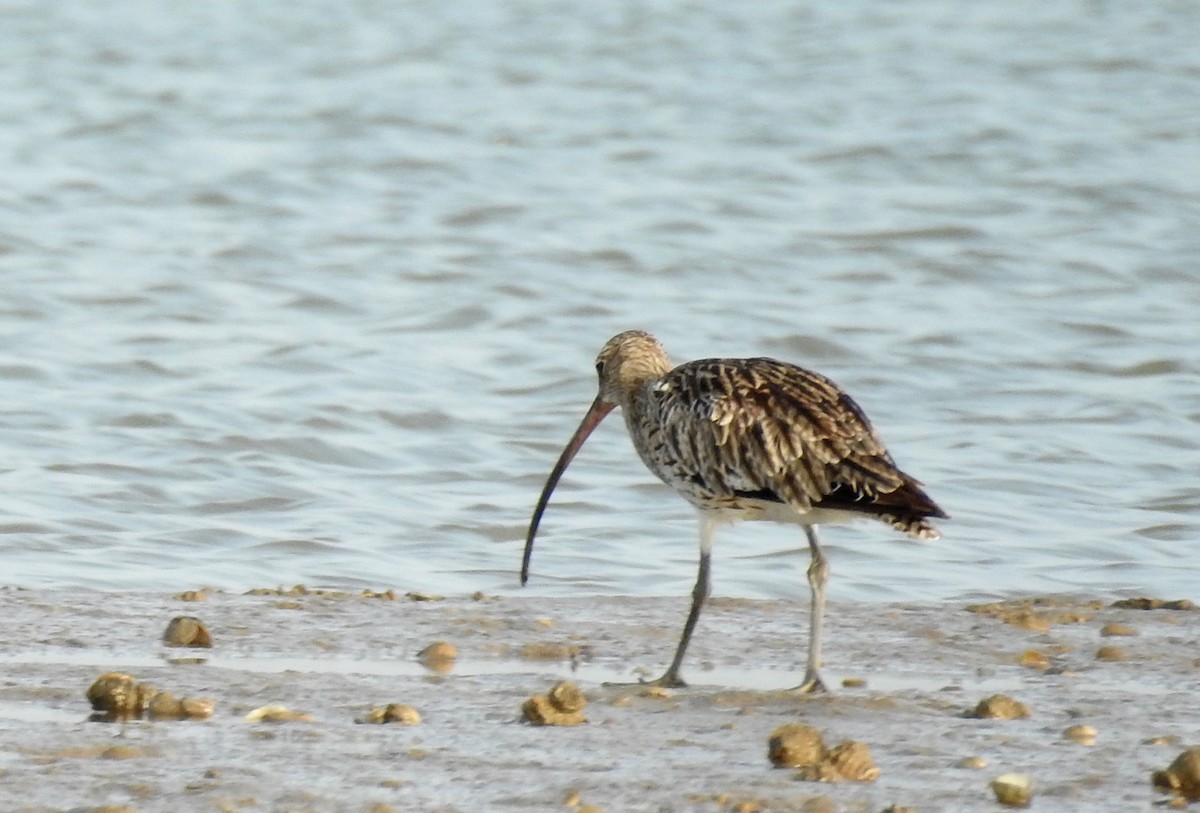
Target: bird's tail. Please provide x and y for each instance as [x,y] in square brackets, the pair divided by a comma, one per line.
[909,509]
[913,525]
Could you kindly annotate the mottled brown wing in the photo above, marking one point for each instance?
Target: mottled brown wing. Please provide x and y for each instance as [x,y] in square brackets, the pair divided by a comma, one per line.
[760,425]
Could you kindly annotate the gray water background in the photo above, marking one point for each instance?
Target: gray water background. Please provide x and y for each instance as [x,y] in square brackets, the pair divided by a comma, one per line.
[310,292]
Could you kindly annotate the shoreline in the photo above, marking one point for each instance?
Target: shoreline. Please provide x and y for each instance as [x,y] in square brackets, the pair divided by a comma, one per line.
[335,655]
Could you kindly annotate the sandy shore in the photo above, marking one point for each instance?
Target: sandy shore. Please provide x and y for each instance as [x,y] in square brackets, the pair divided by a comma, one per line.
[704,748]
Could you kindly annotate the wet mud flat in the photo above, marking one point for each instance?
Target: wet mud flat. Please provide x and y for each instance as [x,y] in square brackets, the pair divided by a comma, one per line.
[911,672]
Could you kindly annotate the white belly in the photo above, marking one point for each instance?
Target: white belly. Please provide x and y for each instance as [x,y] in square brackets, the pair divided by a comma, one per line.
[764,511]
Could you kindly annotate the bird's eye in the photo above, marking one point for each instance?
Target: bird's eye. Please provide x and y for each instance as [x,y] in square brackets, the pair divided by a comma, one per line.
[600,368]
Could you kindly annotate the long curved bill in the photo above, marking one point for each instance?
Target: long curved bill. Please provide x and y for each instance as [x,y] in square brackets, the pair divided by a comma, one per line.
[590,421]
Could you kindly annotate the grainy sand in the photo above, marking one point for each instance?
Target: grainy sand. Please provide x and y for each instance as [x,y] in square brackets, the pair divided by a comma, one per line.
[702,749]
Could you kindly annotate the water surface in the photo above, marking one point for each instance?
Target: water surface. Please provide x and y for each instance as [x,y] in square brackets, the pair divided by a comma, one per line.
[311,294]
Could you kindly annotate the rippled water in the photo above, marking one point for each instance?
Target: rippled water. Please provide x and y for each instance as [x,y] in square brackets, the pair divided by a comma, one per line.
[311,292]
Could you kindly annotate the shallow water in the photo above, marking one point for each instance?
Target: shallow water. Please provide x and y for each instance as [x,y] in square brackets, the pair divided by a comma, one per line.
[312,294]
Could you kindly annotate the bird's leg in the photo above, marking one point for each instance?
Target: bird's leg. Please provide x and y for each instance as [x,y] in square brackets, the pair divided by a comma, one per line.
[818,574]
[699,596]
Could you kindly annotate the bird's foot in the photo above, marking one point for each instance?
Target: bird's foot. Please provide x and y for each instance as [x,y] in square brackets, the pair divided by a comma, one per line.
[812,684]
[667,681]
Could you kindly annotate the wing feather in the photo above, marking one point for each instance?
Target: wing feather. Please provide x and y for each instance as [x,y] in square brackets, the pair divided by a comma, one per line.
[764,425]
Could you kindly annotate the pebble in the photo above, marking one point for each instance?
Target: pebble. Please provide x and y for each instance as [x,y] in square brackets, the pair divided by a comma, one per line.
[561,706]
[118,696]
[166,706]
[1114,629]
[794,745]
[849,761]
[999,707]
[277,714]
[1034,659]
[1013,789]
[1162,739]
[438,657]
[1111,653]
[392,713]
[1182,777]
[567,697]
[187,630]
[1082,734]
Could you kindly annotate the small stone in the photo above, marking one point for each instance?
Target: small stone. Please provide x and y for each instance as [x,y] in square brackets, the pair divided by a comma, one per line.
[117,696]
[538,710]
[973,763]
[852,762]
[1182,777]
[196,708]
[1013,789]
[854,683]
[164,706]
[186,630]
[561,706]
[793,744]
[1113,629]
[1034,659]
[1163,739]
[567,697]
[277,714]
[1082,734]
[899,809]
[192,595]
[1111,653]
[438,657]
[999,707]
[392,713]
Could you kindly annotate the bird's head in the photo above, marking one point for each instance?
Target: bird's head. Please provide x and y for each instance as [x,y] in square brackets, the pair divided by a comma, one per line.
[627,361]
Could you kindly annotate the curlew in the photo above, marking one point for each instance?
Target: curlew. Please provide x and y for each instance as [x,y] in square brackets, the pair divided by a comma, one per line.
[748,439]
